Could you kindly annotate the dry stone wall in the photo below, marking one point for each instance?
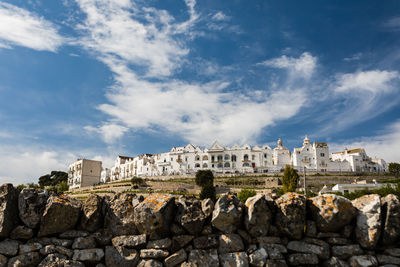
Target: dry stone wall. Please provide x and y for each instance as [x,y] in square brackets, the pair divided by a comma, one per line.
[37,229]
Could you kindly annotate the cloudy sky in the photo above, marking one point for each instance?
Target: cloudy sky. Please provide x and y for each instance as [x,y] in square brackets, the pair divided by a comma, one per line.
[98,78]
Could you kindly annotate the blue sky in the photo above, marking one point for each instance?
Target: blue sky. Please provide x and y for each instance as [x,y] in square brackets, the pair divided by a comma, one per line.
[97,78]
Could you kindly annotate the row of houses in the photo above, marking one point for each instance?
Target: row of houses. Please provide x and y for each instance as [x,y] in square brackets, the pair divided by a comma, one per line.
[314,157]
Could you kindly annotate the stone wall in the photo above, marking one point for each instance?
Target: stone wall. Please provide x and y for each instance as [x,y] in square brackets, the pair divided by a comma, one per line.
[37,229]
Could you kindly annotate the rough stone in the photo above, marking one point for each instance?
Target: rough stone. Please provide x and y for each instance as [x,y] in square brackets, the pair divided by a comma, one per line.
[238,259]
[303,247]
[205,242]
[390,219]
[180,241]
[88,255]
[363,261]
[120,256]
[65,251]
[275,251]
[269,240]
[345,252]
[152,253]
[3,261]
[207,230]
[333,241]
[258,258]
[395,252]
[103,238]
[9,247]
[8,209]
[275,263]
[48,249]
[55,241]
[155,214]
[331,212]
[61,214]
[161,243]
[21,232]
[207,206]
[58,260]
[230,243]
[291,215]
[227,214]
[190,215]
[150,263]
[204,258]
[30,247]
[175,258]
[25,260]
[368,227]
[258,216]
[302,259]
[311,229]
[84,242]
[31,204]
[119,215]
[335,262]
[72,234]
[386,259]
[91,217]
[131,241]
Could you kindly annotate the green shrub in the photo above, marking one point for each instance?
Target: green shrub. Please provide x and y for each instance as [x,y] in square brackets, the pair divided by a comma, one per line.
[137,181]
[394,169]
[62,187]
[208,191]
[204,178]
[289,179]
[244,194]
[21,186]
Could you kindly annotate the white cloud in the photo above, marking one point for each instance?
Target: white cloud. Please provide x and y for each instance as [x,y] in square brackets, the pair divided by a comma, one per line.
[392,24]
[109,132]
[303,66]
[23,28]
[374,81]
[381,146]
[353,57]
[220,16]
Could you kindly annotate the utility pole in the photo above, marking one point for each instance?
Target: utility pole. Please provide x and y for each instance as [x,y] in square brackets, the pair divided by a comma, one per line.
[304,182]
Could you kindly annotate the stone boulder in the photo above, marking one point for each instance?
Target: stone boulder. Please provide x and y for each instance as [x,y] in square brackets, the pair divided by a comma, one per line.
[390,208]
[61,214]
[25,260]
[190,215]
[207,206]
[331,212]
[291,214]
[119,215]
[363,261]
[258,258]
[335,262]
[238,259]
[323,251]
[58,260]
[31,205]
[230,243]
[175,258]
[345,252]
[258,216]
[131,241]
[155,214]
[302,259]
[227,214]
[91,255]
[9,247]
[8,209]
[203,258]
[21,232]
[3,260]
[92,217]
[150,263]
[368,227]
[120,256]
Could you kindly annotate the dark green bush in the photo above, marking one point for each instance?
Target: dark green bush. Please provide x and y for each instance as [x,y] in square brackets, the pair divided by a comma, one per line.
[204,178]
[208,191]
[289,179]
[244,194]
[394,169]
[137,181]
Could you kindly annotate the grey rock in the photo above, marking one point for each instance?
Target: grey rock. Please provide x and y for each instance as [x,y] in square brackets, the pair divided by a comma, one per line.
[88,255]
[345,252]
[3,261]
[190,216]
[58,260]
[333,241]
[368,227]
[395,252]
[311,229]
[55,241]
[161,243]
[177,229]
[230,243]
[120,256]
[269,240]
[363,261]
[325,248]
[103,238]
[390,219]
[61,214]
[84,242]
[8,209]
[386,259]
[227,214]
[48,249]
[175,258]
[9,247]
[205,242]
[204,258]
[65,251]
[92,217]
[335,262]
[258,216]
[152,253]
[275,251]
[302,259]
[238,259]
[131,241]
[258,258]
[72,234]
[180,241]
[207,206]
[155,214]
[21,232]
[25,260]
[150,263]
[31,204]
[276,263]
[347,231]
[291,215]
[119,215]
[30,247]
[303,247]
[331,212]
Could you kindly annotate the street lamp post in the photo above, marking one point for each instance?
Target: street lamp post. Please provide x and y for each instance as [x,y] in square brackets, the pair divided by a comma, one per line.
[304,182]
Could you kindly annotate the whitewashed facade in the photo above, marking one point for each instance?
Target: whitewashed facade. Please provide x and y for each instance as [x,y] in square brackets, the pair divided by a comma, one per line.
[359,161]
[84,172]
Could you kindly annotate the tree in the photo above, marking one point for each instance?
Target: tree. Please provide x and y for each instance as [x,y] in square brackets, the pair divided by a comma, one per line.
[394,169]
[205,179]
[53,179]
[289,179]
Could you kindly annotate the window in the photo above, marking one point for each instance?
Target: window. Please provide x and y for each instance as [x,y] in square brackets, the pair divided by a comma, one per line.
[197,165]
[165,160]
[219,165]
[212,159]
[253,157]
[246,164]
[227,165]
[322,154]
[205,158]
[234,158]
[197,157]
[226,157]
[265,155]
[246,157]
[219,157]
[205,165]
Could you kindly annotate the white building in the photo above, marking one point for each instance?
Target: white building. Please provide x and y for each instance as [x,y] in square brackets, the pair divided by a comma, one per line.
[359,160]
[84,172]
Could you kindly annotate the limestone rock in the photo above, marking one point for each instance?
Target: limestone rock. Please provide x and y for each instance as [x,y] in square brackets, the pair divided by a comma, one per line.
[180,241]
[276,263]
[368,227]
[230,243]
[119,218]
[72,234]
[275,251]
[3,260]
[65,251]
[84,243]
[206,242]
[29,247]
[161,243]
[227,214]
[155,214]
[31,204]
[175,258]
[291,215]
[25,260]
[311,228]
[207,206]
[204,258]
[302,259]
[390,219]
[331,212]
[103,238]
[91,217]
[88,255]
[258,258]
[8,209]
[21,232]
[345,252]
[363,261]
[152,253]
[61,214]
[335,262]
[150,263]
[238,259]
[385,259]
[9,247]
[190,216]
[258,216]
[58,260]
[303,247]
[395,252]
[120,256]
[131,241]
[48,249]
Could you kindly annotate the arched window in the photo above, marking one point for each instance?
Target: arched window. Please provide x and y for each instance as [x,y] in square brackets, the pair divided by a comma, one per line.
[219,165]
[205,157]
[227,165]
[246,157]
[226,157]
[197,158]
[212,158]
[205,165]
[219,158]
[197,165]
[246,164]
[234,158]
